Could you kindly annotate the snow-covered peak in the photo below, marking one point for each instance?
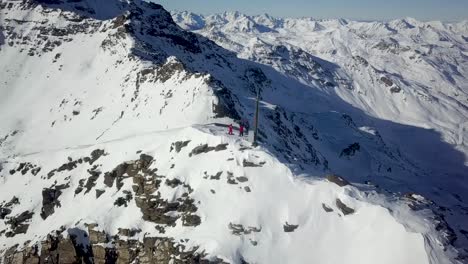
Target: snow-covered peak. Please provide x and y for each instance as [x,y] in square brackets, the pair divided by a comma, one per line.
[404,24]
[189,20]
[89,8]
[114,143]
[268,21]
[236,21]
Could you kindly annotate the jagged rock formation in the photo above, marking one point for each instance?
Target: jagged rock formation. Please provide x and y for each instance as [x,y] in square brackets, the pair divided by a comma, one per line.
[59,249]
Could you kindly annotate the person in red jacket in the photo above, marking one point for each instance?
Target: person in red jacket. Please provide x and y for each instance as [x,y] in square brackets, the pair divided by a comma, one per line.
[241,130]
[230,129]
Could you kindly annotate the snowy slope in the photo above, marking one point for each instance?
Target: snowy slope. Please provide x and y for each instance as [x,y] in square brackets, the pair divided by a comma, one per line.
[263,198]
[113,139]
[405,78]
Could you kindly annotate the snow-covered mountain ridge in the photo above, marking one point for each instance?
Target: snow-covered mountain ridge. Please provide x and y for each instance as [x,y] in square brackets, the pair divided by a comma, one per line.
[113,149]
[404,71]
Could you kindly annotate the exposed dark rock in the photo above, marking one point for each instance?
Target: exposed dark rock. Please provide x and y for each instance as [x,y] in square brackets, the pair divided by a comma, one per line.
[55,249]
[5,209]
[167,70]
[191,220]
[151,250]
[128,232]
[25,167]
[247,163]
[91,182]
[361,60]
[386,81]
[12,202]
[96,236]
[127,170]
[242,148]
[238,229]
[338,180]
[69,166]
[416,202]
[160,229]
[35,171]
[389,83]
[4,212]
[123,201]
[344,208]
[443,227]
[156,209]
[95,155]
[226,106]
[289,228]
[119,21]
[217,176]
[351,150]
[247,189]
[145,160]
[18,223]
[99,193]
[173,183]
[242,179]
[231,179]
[179,145]
[221,147]
[50,200]
[79,189]
[395,89]
[201,149]
[327,208]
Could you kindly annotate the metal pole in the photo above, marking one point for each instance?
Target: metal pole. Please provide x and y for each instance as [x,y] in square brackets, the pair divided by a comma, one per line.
[256,118]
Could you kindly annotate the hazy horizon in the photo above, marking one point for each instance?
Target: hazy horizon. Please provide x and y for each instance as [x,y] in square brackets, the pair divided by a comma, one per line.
[363,10]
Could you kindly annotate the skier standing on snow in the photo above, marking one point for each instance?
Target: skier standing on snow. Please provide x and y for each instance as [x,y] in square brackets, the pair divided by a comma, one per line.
[241,130]
[230,129]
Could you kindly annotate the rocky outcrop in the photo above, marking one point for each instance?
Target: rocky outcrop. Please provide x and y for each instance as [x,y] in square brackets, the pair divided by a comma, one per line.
[205,149]
[247,163]
[18,224]
[5,209]
[179,145]
[97,247]
[350,150]
[288,228]
[238,229]
[145,187]
[128,169]
[326,208]
[25,167]
[389,83]
[73,164]
[55,249]
[50,200]
[338,180]
[344,208]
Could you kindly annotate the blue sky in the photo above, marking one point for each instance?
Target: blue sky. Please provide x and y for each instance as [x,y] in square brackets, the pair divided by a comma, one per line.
[446,10]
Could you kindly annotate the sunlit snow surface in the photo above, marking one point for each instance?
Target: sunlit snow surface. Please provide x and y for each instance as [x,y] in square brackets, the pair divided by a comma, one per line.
[132,92]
